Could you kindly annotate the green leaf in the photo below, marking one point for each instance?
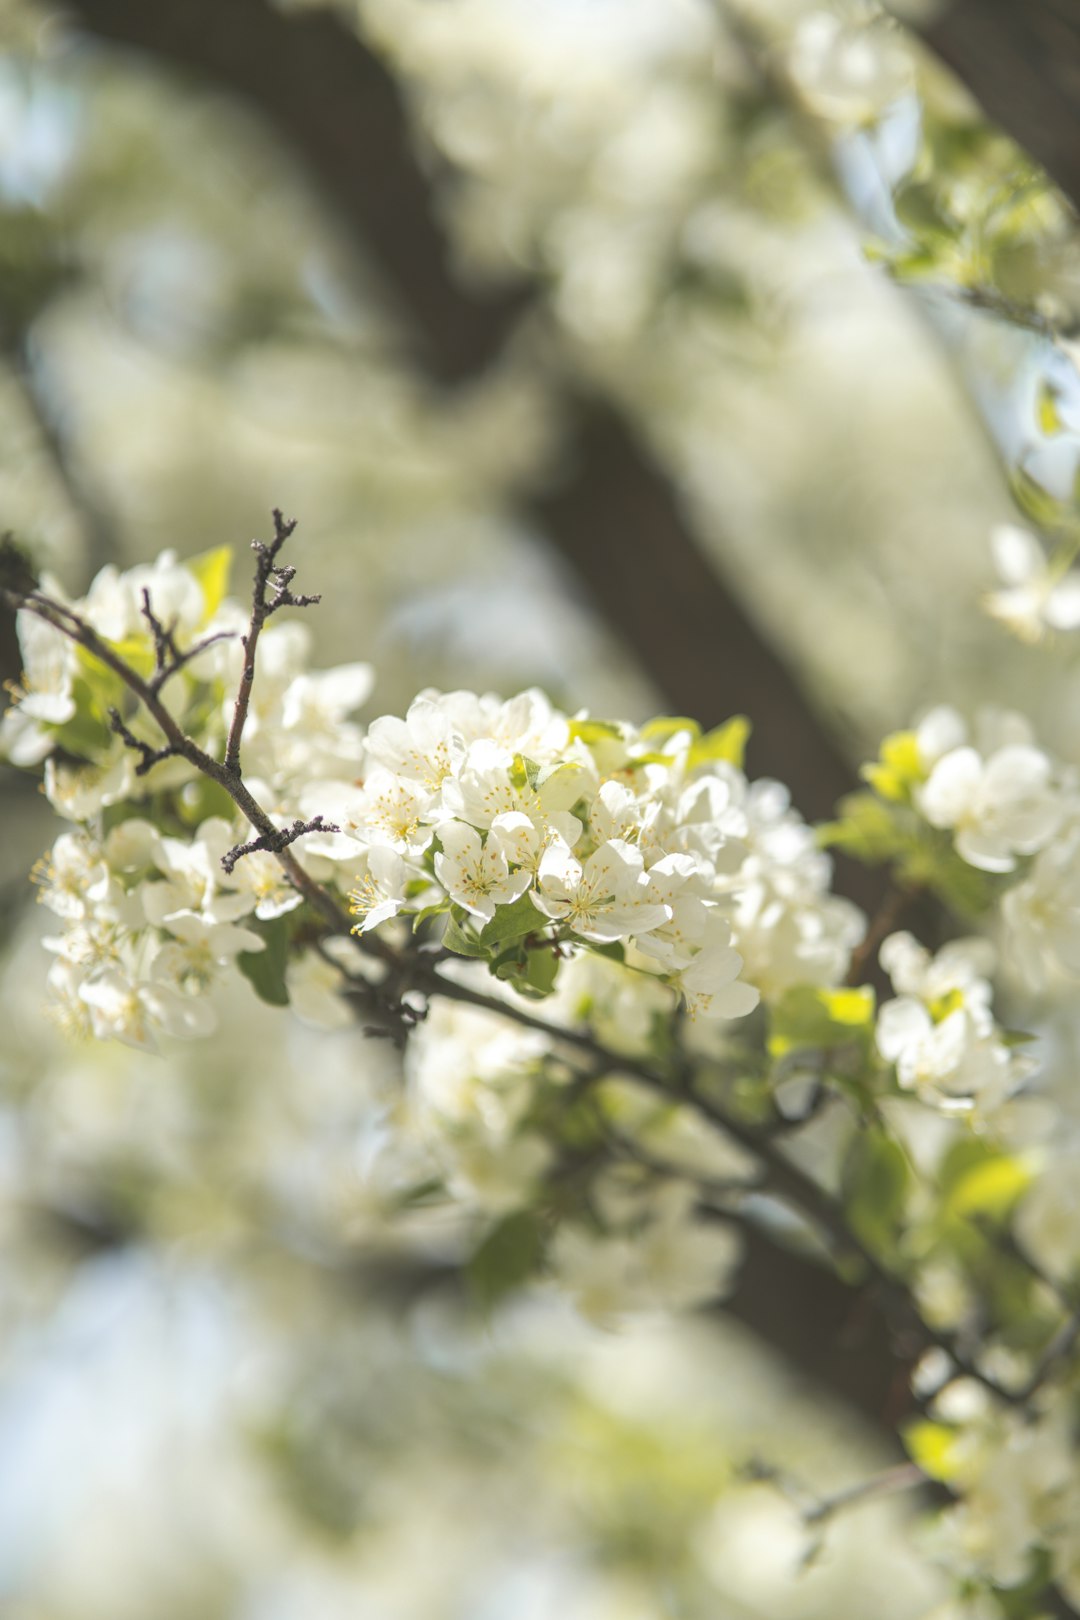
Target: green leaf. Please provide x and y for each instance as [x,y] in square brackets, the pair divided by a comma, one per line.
[507,1257]
[87,734]
[726,743]
[211,569]
[810,1018]
[439,909]
[867,830]
[899,768]
[594,731]
[265,970]
[512,922]
[540,974]
[524,773]
[666,725]
[921,211]
[978,1180]
[531,972]
[461,938]
[877,1179]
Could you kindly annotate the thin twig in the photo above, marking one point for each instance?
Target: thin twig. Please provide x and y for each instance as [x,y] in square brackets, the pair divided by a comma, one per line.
[168,658]
[888,915]
[266,571]
[274,843]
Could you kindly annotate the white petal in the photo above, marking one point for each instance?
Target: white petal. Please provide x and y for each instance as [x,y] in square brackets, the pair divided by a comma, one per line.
[1018,556]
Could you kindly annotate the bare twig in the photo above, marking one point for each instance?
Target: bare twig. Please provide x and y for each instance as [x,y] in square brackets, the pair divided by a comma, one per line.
[148,757]
[168,658]
[888,915]
[267,572]
[274,843]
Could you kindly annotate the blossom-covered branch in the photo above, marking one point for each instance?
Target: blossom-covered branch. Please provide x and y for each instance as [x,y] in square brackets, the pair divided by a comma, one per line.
[704,1033]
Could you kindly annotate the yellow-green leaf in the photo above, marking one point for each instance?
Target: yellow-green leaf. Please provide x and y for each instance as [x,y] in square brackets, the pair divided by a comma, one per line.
[727,743]
[211,569]
[933,1447]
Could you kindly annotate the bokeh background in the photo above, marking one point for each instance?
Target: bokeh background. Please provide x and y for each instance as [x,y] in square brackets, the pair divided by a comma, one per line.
[580,340]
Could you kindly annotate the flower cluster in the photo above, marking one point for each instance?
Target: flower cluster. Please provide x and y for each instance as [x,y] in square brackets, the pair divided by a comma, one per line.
[152,920]
[939,1029]
[533,835]
[539,833]
[1015,1475]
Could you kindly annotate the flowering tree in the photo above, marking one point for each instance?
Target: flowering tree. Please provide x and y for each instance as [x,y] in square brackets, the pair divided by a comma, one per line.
[641,1035]
[626,993]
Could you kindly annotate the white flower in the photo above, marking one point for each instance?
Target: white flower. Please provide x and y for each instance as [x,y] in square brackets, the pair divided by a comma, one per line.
[426,746]
[201,947]
[74,880]
[660,1255]
[114,604]
[1048,1219]
[314,987]
[998,807]
[48,668]
[484,788]
[474,874]
[395,810]
[1035,598]
[259,875]
[133,1012]
[603,900]
[193,879]
[1042,914]
[940,1033]
[379,891]
[957,973]
[711,983]
[938,733]
[849,73]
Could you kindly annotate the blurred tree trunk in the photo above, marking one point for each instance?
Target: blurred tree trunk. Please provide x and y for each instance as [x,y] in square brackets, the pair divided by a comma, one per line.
[614,517]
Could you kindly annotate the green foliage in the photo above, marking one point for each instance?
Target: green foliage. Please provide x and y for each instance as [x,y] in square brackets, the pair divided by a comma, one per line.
[979,1181]
[212,570]
[877,1184]
[512,944]
[265,969]
[506,1258]
[898,770]
[727,744]
[886,831]
[809,1018]
[934,1447]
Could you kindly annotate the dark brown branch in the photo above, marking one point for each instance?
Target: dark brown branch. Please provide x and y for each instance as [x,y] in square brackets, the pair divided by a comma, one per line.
[148,756]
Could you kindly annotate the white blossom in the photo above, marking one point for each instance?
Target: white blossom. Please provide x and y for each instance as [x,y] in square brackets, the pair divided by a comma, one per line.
[477,874]
[604,898]
[998,807]
[1036,597]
